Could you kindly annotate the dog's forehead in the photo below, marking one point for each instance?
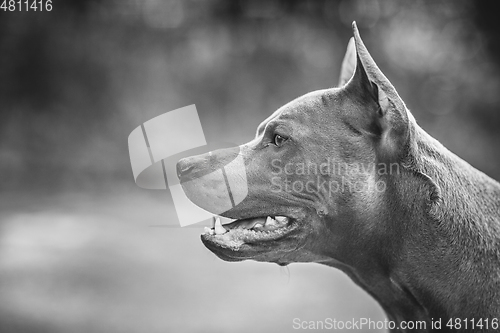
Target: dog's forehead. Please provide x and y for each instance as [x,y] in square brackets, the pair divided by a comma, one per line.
[304,103]
[302,109]
[307,108]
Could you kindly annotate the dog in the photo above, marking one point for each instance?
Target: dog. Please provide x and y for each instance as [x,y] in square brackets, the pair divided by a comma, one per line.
[345,177]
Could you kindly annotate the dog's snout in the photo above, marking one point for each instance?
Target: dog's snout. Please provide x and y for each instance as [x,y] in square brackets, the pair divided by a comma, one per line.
[193,167]
[184,168]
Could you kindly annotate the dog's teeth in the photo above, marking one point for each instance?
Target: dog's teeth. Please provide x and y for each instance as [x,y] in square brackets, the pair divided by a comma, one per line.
[281,219]
[219,229]
[270,221]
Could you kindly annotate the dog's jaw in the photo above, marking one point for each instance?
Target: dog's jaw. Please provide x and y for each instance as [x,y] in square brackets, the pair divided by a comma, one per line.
[242,244]
[260,239]
[253,230]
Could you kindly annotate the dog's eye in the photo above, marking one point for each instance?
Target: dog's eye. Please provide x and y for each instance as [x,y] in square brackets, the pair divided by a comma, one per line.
[279,140]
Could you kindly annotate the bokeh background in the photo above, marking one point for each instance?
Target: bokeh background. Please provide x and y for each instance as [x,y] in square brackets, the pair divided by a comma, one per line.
[83,249]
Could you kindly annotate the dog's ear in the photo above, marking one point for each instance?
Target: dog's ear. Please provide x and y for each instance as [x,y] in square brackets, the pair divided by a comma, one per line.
[391,121]
[348,64]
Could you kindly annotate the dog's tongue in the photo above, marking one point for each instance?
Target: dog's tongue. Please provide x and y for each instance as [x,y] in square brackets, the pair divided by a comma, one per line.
[255,224]
[246,224]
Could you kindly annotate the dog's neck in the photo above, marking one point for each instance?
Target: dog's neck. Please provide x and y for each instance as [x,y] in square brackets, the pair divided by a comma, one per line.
[412,269]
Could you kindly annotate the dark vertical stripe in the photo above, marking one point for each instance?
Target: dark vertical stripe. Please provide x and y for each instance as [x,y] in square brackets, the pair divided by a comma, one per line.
[228,187]
[164,173]
[147,143]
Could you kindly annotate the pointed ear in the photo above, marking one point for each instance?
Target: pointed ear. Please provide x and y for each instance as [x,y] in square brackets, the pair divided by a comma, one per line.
[348,64]
[392,119]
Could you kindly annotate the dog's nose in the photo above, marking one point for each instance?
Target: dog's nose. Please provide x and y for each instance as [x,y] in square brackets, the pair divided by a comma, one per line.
[184,168]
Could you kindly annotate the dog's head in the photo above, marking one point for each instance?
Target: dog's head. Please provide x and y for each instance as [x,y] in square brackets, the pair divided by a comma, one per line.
[314,175]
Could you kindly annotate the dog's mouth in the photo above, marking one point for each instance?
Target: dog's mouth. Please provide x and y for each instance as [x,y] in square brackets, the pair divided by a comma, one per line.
[250,231]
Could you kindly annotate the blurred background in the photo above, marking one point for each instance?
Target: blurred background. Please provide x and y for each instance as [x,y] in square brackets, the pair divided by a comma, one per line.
[82,248]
